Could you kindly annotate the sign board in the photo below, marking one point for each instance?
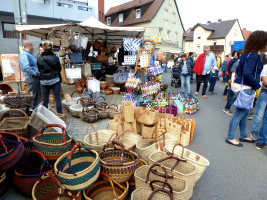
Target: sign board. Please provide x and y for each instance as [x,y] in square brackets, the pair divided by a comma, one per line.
[20,12]
[11,71]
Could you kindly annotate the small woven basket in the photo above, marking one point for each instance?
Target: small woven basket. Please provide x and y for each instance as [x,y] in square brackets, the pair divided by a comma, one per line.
[76,109]
[113,110]
[103,113]
[128,138]
[103,84]
[89,115]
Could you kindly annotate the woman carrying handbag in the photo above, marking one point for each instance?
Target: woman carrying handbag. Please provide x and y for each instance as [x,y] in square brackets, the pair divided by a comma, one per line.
[246,83]
[50,79]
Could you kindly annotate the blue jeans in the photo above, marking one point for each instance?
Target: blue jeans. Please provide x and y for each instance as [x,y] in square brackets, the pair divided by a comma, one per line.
[35,88]
[260,109]
[185,79]
[263,133]
[164,68]
[230,99]
[56,93]
[239,118]
[212,83]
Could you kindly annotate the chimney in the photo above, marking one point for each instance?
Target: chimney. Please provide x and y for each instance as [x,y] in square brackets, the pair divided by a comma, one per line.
[208,22]
[219,20]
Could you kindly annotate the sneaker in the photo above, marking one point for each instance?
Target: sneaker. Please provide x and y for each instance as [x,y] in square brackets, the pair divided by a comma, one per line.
[254,135]
[250,117]
[260,146]
[228,112]
[196,93]
[210,93]
[204,96]
[224,96]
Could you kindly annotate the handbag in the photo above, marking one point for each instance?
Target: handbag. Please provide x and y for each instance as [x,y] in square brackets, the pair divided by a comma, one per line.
[96,66]
[86,70]
[132,82]
[76,58]
[73,73]
[130,59]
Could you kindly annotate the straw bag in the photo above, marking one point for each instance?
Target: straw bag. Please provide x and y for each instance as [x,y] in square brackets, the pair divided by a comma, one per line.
[60,115]
[185,134]
[128,111]
[196,159]
[52,144]
[130,126]
[3,183]
[119,164]
[106,188]
[147,116]
[49,187]
[89,115]
[78,169]
[174,129]
[128,138]
[98,139]
[30,171]
[11,150]
[145,174]
[147,131]
[17,125]
[113,110]
[175,166]
[132,180]
[116,125]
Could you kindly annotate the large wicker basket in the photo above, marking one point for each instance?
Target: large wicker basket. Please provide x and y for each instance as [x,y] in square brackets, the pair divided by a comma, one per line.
[89,115]
[18,100]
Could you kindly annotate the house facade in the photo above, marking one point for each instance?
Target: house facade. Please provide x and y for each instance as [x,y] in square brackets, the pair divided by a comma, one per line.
[220,36]
[158,16]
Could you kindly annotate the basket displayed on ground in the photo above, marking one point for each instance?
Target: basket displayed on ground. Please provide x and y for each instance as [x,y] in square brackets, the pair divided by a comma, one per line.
[78,169]
[119,164]
[89,115]
[103,113]
[17,125]
[29,171]
[52,144]
[145,147]
[106,188]
[116,90]
[49,187]
[107,91]
[18,100]
[113,110]
[62,116]
[98,139]
[132,180]
[101,104]
[196,159]
[11,150]
[76,109]
[87,101]
[103,84]
[72,100]
[128,138]
[28,145]
[145,174]
[3,183]
[128,111]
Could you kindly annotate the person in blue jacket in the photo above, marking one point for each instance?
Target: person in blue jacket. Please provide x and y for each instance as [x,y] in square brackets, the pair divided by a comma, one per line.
[185,68]
[247,80]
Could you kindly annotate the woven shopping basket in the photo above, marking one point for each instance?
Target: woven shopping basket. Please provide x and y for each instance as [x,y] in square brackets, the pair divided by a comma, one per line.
[113,110]
[89,115]
[52,144]
[128,111]
[119,164]
[11,150]
[99,138]
[101,104]
[128,138]
[49,187]
[145,174]
[3,183]
[106,188]
[196,159]
[132,180]
[155,194]
[17,125]
[18,100]
[78,169]
[76,109]
[73,100]
[28,145]
[29,171]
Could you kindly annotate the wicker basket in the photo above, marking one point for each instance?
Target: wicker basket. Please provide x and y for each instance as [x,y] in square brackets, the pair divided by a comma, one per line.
[132,180]
[66,104]
[78,169]
[103,84]
[52,144]
[110,80]
[128,138]
[30,171]
[89,115]
[18,100]
[3,183]
[76,109]
[60,115]
[87,101]
[107,91]
[98,139]
[119,164]
[103,113]
[101,104]
[128,111]
[17,125]
[116,90]
[113,110]
[147,131]
[49,187]
[28,145]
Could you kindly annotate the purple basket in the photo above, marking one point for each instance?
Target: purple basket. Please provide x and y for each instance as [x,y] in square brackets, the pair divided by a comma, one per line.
[171,109]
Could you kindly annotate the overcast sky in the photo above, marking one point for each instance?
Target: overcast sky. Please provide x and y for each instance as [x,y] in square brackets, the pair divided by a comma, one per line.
[252,14]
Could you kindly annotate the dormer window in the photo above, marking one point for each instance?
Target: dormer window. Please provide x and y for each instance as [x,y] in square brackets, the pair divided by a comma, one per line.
[121,17]
[138,13]
[108,21]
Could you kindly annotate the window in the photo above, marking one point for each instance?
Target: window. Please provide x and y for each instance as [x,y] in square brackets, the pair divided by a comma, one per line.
[191,45]
[173,18]
[160,31]
[198,47]
[198,36]
[138,13]
[99,16]
[121,17]
[81,3]
[84,8]
[214,43]
[168,35]
[65,5]
[9,30]
[108,21]
[176,37]
[102,17]
[166,14]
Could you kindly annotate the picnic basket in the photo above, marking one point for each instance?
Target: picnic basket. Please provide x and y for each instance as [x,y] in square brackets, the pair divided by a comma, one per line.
[78,169]
[17,125]
[119,164]
[52,144]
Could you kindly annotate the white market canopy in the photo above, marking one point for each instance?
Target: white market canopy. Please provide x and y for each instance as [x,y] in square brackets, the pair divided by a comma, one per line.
[91,28]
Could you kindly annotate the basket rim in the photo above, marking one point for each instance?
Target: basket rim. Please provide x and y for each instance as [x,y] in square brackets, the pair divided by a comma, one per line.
[93,133]
[15,128]
[50,144]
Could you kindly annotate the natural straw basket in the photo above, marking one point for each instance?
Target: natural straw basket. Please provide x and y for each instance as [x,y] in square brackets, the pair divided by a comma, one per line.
[98,139]
[196,159]
[113,110]
[116,90]
[128,138]
[103,113]
[103,84]
[132,180]
[128,111]
[78,169]
[106,188]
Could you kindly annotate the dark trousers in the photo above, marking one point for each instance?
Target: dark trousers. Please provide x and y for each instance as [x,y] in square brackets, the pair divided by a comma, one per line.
[56,93]
[35,88]
[230,99]
[205,80]
[212,83]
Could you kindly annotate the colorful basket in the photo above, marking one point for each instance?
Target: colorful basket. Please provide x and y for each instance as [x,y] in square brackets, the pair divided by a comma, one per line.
[28,172]
[52,144]
[11,150]
[106,188]
[82,171]
[119,164]
[49,187]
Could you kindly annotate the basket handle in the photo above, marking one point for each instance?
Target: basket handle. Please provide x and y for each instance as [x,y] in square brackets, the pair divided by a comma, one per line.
[155,172]
[171,156]
[54,178]
[197,156]
[161,190]
[122,126]
[182,155]
[102,78]
[90,136]
[3,114]
[2,142]
[99,97]
[75,92]
[53,110]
